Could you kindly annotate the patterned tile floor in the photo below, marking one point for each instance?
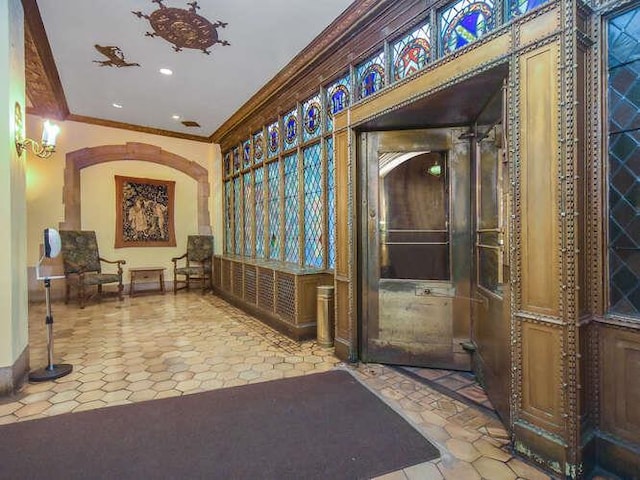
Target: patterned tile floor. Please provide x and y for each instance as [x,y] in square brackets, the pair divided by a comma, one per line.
[155,346]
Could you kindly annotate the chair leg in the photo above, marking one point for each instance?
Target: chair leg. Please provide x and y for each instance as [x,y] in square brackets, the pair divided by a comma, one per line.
[120,290]
[81,294]
[175,283]
[100,293]
[67,292]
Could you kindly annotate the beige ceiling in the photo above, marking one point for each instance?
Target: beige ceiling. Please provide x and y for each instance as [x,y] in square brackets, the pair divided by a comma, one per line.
[263,36]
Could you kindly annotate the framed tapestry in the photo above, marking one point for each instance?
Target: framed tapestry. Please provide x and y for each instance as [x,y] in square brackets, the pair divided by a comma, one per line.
[144,212]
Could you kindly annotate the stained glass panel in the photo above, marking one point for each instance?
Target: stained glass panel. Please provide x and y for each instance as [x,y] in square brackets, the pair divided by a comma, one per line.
[331,205]
[520,7]
[338,98]
[274,140]
[237,215]
[259,198]
[228,220]
[312,118]
[246,153]
[248,204]
[464,22]
[313,211]
[236,159]
[412,52]
[370,75]
[274,211]
[291,233]
[226,165]
[258,147]
[290,129]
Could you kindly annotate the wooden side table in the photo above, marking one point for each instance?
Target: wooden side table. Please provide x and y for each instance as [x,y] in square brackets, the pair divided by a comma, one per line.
[146,275]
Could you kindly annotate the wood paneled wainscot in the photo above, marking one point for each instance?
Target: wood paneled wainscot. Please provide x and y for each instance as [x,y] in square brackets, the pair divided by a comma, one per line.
[282,295]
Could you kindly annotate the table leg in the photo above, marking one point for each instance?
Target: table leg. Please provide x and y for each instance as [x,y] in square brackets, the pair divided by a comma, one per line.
[162,281]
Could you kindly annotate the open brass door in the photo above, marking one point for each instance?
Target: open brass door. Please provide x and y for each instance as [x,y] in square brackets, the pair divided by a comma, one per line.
[416,248]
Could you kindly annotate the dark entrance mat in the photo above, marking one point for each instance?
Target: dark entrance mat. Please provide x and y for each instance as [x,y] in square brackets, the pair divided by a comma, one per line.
[321,426]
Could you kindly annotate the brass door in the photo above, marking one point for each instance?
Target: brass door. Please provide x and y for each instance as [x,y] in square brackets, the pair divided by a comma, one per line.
[416,248]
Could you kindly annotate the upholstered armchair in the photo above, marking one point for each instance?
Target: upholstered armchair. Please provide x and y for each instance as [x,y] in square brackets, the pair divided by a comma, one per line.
[197,262]
[82,265]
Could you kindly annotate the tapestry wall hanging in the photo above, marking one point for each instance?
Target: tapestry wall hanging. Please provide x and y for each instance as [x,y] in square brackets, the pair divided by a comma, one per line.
[144,213]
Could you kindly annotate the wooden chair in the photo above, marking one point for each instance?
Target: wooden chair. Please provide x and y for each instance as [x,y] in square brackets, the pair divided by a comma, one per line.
[198,263]
[82,265]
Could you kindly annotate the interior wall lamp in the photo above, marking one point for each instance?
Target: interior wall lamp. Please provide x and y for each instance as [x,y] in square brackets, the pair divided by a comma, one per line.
[46,147]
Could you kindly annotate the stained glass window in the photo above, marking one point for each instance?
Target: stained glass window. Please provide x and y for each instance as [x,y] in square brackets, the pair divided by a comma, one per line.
[464,22]
[312,118]
[248,203]
[228,205]
[274,211]
[290,129]
[246,153]
[338,99]
[259,198]
[412,52]
[236,159]
[274,140]
[313,217]
[624,167]
[258,147]
[370,75]
[237,215]
[227,164]
[520,7]
[331,205]
[291,233]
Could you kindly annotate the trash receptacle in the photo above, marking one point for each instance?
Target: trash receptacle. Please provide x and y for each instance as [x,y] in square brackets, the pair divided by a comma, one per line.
[325,315]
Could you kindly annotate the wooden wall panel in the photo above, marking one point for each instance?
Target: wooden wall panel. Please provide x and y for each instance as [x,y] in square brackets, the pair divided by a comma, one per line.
[342,311]
[539,174]
[620,382]
[541,377]
[341,152]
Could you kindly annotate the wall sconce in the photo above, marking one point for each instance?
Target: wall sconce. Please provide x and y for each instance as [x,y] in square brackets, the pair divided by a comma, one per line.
[49,133]
[435,169]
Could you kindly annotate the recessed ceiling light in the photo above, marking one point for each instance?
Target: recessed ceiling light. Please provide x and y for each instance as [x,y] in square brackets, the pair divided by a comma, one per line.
[166,71]
[175,117]
[117,105]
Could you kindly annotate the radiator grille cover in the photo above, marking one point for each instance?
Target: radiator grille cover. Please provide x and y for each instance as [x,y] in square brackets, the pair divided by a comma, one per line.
[265,289]
[250,283]
[237,279]
[226,275]
[286,296]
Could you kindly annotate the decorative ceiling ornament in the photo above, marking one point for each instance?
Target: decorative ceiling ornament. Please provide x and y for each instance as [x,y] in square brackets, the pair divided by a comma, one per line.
[183,28]
[115,56]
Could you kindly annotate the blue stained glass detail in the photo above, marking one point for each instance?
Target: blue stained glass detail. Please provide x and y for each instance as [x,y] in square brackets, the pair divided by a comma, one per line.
[226,166]
[246,153]
[412,52]
[337,99]
[259,198]
[464,22]
[331,205]
[274,210]
[228,200]
[248,193]
[237,215]
[291,129]
[258,147]
[520,7]
[313,211]
[312,113]
[274,139]
[624,39]
[291,233]
[236,159]
[370,75]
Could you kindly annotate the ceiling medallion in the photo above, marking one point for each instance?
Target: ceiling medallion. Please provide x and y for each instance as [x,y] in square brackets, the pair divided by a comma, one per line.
[115,56]
[183,28]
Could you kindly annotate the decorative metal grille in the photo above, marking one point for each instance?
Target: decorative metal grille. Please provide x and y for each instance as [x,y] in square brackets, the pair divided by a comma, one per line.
[225,266]
[291,233]
[624,167]
[412,52]
[313,211]
[265,289]
[237,279]
[258,147]
[274,211]
[217,272]
[464,22]
[237,215]
[248,203]
[273,131]
[259,196]
[286,296]
[246,153]
[370,75]
[228,209]
[250,283]
[331,205]
[520,7]
[290,123]
[312,118]
[338,98]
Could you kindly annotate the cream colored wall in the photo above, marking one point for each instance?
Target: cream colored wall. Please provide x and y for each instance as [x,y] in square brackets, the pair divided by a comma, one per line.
[45,180]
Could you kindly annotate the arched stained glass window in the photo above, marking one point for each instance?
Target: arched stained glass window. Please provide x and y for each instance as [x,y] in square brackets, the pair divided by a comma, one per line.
[312,118]
[370,75]
[259,198]
[464,22]
[520,7]
[246,153]
[228,205]
[412,52]
[236,159]
[290,129]
[338,98]
[313,217]
[291,231]
[248,204]
[274,211]
[258,147]
[227,164]
[331,206]
[274,140]
[237,214]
